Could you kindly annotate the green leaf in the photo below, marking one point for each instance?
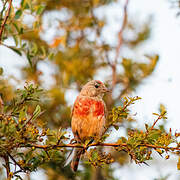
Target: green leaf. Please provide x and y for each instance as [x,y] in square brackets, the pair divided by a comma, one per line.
[23,46]
[21,30]
[16,26]
[16,50]
[29,58]
[15,40]
[22,3]
[34,49]
[22,113]
[27,6]
[18,14]
[51,56]
[116,127]
[43,51]
[36,112]
[40,9]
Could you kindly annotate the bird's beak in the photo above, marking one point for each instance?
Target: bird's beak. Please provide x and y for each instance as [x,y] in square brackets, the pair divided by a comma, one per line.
[106,90]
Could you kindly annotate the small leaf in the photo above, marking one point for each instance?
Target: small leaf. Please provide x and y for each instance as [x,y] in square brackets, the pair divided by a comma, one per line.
[22,113]
[51,56]
[21,30]
[22,3]
[36,112]
[29,58]
[18,14]
[116,127]
[23,46]
[27,6]
[16,50]
[167,157]
[43,51]
[155,114]
[34,49]
[146,125]
[40,10]
[16,26]
[15,40]
[159,151]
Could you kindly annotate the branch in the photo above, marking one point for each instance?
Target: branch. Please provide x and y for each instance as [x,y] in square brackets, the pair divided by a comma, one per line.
[38,146]
[121,31]
[159,117]
[124,21]
[16,163]
[5,20]
[6,159]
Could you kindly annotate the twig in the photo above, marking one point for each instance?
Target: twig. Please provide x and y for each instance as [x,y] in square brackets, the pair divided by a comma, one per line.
[15,162]
[16,172]
[18,177]
[1,104]
[6,45]
[6,159]
[31,119]
[4,6]
[159,117]
[5,20]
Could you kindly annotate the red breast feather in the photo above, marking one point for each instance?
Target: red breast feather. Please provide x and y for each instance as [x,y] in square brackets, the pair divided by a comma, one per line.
[83,106]
[88,118]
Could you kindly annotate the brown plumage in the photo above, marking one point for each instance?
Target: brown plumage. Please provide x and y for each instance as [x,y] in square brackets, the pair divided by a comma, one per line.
[88,116]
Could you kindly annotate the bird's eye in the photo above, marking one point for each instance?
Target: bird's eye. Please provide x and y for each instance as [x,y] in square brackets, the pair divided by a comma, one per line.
[96,85]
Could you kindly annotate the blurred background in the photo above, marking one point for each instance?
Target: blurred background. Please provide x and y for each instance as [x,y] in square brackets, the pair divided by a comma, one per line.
[131,45]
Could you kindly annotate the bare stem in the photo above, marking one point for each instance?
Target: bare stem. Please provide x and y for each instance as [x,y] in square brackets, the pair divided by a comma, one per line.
[6,159]
[120,42]
[159,117]
[15,162]
[5,20]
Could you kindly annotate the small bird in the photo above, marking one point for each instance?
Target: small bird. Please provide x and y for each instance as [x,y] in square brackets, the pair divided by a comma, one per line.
[88,116]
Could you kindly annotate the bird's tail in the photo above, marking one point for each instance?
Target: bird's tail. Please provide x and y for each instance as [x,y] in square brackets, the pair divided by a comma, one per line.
[75,160]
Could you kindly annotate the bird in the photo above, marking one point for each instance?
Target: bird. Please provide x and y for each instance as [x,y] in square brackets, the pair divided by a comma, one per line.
[88,117]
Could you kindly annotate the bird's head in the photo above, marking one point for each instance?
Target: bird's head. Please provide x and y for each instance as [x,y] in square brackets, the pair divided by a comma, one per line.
[94,88]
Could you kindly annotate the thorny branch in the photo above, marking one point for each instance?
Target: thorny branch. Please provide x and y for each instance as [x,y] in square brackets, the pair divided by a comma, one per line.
[48,147]
[5,19]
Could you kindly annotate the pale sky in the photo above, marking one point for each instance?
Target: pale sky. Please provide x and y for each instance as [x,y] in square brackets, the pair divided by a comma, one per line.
[162,87]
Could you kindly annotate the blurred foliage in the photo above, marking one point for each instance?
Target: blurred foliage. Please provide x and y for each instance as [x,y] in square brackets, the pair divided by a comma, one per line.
[175,4]
[66,37]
